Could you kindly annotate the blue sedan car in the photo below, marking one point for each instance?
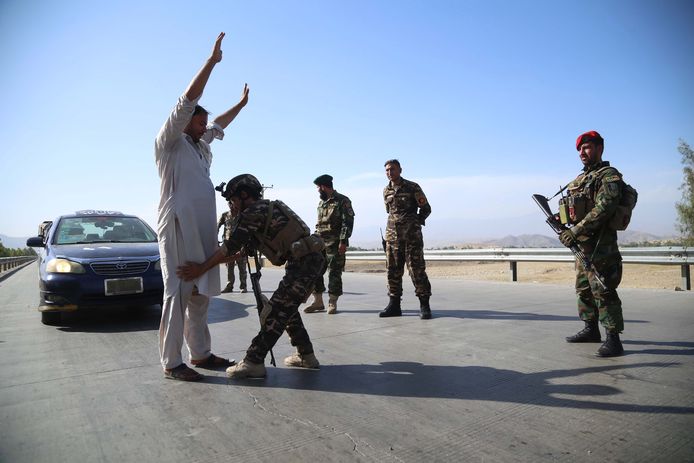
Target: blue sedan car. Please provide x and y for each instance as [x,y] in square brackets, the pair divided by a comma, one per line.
[96,259]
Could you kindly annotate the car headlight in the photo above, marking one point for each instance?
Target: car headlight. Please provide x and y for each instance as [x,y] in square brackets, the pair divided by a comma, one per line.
[63,266]
[157,265]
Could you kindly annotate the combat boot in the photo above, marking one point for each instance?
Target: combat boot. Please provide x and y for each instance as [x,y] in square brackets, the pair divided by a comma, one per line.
[317,305]
[246,369]
[590,333]
[392,309]
[424,309]
[302,361]
[332,304]
[612,347]
[229,288]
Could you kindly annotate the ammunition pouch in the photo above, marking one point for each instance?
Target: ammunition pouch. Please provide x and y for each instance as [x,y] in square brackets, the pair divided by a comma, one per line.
[307,245]
[574,208]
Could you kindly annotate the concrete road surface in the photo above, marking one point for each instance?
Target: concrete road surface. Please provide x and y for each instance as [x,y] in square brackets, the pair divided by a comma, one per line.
[489,379]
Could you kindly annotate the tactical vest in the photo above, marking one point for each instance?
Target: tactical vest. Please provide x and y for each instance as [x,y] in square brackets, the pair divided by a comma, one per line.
[581,200]
[330,213]
[294,239]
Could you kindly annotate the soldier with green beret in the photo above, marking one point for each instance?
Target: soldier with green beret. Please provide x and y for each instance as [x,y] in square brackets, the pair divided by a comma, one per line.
[335,223]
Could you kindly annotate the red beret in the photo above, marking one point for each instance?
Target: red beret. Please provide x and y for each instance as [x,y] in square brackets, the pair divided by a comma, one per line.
[589,136]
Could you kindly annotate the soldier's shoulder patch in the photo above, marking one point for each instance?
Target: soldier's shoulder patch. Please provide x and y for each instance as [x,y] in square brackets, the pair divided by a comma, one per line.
[612,189]
[422,200]
[611,178]
[347,204]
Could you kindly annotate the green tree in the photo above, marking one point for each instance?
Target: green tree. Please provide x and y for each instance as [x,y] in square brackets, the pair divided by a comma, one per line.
[10,252]
[685,208]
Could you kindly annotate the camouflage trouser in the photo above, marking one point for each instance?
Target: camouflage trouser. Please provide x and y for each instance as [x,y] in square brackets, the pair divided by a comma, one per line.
[411,250]
[336,264]
[242,264]
[296,285]
[596,302]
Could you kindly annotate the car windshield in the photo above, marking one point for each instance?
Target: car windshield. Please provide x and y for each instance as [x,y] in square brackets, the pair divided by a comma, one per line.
[99,229]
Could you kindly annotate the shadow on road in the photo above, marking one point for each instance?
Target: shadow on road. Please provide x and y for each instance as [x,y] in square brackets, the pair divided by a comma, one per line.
[410,379]
[128,319]
[677,347]
[485,315]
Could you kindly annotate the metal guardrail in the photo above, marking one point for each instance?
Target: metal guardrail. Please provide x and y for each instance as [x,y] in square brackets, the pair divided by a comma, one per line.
[665,255]
[8,263]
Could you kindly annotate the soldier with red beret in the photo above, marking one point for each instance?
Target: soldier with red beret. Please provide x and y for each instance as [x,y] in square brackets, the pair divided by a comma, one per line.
[592,199]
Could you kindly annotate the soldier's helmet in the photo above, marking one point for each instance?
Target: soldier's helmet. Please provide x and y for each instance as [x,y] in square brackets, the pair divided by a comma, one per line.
[239,182]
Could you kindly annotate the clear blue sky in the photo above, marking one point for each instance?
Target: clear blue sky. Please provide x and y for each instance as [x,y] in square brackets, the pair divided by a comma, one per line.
[480,100]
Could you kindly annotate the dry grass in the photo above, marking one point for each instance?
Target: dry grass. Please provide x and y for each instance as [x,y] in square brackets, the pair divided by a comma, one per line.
[635,276]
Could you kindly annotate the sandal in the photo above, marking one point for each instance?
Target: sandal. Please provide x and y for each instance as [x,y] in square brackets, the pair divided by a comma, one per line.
[182,373]
[212,362]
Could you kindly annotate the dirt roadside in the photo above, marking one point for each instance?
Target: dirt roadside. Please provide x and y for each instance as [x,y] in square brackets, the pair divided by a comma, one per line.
[634,275]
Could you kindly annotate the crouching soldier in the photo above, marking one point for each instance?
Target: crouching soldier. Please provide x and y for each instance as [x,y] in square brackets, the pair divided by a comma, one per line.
[273,229]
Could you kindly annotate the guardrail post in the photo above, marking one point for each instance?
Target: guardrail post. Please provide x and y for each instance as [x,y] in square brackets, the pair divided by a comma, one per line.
[686,277]
[513,266]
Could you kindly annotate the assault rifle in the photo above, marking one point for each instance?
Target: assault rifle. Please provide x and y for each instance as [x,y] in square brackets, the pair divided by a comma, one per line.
[261,301]
[383,241]
[558,228]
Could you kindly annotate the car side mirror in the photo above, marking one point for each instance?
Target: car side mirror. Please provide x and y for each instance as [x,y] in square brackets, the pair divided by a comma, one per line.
[36,242]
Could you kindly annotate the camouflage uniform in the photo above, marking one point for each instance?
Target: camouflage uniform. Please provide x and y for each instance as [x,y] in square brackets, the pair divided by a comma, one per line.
[295,287]
[227,220]
[335,222]
[602,184]
[407,208]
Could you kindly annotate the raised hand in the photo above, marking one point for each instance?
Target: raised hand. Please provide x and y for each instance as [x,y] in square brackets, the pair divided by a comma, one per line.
[216,55]
[244,95]
[229,115]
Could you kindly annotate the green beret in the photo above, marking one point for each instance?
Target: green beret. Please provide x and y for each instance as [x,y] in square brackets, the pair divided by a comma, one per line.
[324,179]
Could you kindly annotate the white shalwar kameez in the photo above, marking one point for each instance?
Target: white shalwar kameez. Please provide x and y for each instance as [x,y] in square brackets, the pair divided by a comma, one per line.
[187,228]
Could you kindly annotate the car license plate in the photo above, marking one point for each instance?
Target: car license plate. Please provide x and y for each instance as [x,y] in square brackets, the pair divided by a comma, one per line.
[119,286]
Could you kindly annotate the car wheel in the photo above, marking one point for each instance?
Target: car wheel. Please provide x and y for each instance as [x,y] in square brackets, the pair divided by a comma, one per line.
[50,318]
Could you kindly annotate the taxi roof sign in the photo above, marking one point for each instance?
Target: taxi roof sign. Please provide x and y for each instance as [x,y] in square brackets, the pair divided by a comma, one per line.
[96,212]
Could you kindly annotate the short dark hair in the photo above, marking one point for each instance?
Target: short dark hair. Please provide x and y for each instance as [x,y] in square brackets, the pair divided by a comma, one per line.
[392,161]
[200,110]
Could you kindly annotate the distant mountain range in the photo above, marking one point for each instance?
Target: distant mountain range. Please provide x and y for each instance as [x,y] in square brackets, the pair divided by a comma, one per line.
[13,243]
[510,241]
[542,241]
[523,241]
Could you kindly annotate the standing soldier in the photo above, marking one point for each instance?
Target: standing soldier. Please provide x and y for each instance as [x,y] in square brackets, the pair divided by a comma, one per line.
[227,220]
[592,201]
[335,222]
[272,228]
[407,209]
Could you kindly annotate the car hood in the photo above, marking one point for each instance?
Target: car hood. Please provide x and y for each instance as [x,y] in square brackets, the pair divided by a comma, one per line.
[107,251]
